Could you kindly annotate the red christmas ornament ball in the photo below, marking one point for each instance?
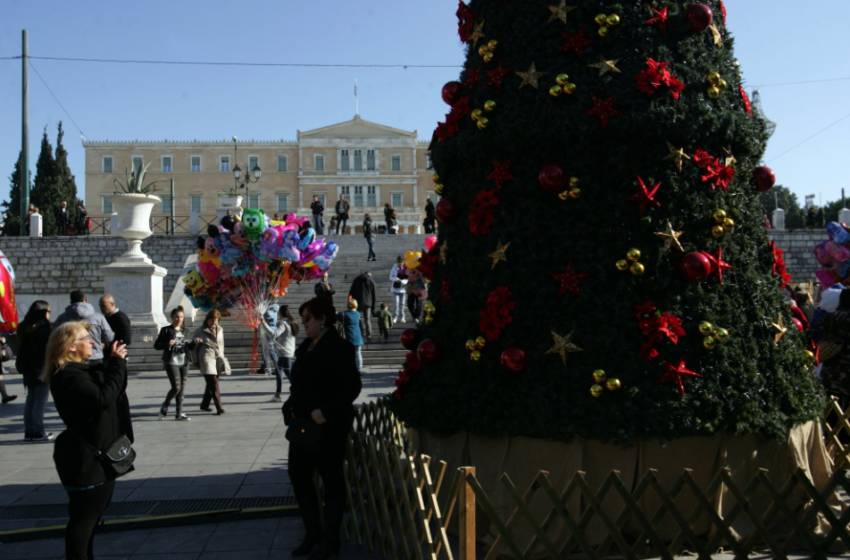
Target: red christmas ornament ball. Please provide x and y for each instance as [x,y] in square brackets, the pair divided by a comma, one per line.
[552,178]
[410,338]
[429,351]
[513,359]
[451,92]
[798,323]
[764,178]
[699,16]
[446,210]
[695,266]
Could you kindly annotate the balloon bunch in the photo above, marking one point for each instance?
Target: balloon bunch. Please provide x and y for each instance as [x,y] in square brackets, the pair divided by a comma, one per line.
[8,306]
[834,255]
[416,284]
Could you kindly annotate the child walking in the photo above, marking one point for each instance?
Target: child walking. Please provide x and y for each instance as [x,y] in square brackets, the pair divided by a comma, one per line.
[385,321]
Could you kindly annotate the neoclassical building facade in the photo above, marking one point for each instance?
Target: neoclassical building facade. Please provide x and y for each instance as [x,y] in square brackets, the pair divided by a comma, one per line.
[371,164]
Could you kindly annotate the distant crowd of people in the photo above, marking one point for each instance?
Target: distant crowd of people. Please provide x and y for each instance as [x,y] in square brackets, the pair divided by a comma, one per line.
[66,224]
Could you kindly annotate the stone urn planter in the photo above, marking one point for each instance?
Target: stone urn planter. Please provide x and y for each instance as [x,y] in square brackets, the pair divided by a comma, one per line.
[227,200]
[134,215]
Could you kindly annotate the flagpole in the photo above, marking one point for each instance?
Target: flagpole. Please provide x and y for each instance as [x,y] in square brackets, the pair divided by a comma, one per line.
[356,100]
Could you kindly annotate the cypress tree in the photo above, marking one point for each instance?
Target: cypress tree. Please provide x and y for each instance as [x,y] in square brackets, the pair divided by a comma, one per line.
[47,193]
[68,184]
[12,207]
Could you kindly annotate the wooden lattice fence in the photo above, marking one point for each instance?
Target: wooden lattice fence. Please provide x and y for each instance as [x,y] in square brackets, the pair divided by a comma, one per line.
[397,509]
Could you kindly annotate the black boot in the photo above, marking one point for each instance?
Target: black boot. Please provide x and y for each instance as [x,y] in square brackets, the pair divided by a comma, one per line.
[328,548]
[310,540]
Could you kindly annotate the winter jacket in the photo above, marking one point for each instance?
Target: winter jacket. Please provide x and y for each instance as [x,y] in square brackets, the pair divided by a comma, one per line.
[208,350]
[85,395]
[351,323]
[317,207]
[385,319]
[30,360]
[342,207]
[368,228]
[389,214]
[284,340]
[363,290]
[394,278]
[324,378]
[100,330]
[430,211]
[320,291]
[120,325]
[163,342]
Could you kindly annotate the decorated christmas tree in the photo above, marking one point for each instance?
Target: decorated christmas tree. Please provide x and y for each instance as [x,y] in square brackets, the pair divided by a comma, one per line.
[603,269]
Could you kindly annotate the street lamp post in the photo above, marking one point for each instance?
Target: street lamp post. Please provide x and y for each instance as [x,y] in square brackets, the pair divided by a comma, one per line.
[241,182]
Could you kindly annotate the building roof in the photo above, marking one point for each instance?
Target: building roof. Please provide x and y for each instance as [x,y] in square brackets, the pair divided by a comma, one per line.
[356,128]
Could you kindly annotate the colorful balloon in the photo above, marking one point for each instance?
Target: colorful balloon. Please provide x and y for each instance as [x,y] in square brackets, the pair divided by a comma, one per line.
[8,306]
[4,260]
[430,241]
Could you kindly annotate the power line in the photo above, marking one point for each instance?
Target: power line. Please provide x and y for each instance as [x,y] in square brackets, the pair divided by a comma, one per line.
[218,63]
[57,100]
[806,82]
[810,137]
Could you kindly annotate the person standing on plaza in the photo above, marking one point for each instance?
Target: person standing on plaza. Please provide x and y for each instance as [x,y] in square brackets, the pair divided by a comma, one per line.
[363,292]
[398,291]
[318,210]
[86,396]
[172,342]
[385,321]
[388,216]
[283,340]
[324,289]
[81,310]
[117,319]
[33,334]
[342,207]
[325,384]
[82,219]
[208,342]
[5,356]
[369,234]
[430,222]
[63,218]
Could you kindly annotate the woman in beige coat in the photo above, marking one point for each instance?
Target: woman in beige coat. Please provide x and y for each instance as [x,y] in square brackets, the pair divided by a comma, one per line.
[209,345]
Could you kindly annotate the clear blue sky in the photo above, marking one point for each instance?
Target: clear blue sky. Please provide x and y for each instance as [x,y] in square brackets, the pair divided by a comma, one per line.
[777,41]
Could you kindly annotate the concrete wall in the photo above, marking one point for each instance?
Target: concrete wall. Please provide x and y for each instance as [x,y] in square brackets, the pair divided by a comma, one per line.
[798,245]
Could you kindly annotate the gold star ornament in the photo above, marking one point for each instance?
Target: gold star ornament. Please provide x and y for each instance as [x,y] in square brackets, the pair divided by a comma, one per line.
[780,329]
[530,77]
[730,159]
[677,156]
[560,11]
[718,38]
[563,346]
[477,33]
[499,253]
[671,238]
[605,66]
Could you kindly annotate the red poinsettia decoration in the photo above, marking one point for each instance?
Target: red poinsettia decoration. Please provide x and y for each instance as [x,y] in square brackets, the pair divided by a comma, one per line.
[656,75]
[657,327]
[497,314]
[428,263]
[779,268]
[465,21]
[716,174]
[481,216]
[747,104]
[449,128]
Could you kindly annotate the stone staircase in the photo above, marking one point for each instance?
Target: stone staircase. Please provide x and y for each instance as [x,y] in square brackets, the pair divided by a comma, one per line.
[350,262]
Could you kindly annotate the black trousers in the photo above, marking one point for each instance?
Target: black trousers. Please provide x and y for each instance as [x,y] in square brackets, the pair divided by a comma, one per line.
[414,305]
[177,376]
[211,392]
[85,509]
[366,320]
[328,460]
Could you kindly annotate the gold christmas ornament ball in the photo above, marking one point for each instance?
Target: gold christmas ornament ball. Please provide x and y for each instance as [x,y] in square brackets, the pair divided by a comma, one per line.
[633,255]
[439,190]
[476,114]
[490,106]
[719,215]
[706,328]
[612,20]
[613,384]
[713,93]
[435,178]
[480,342]
[492,44]
[429,319]
[470,344]
[809,355]
[482,122]
[603,31]
[573,182]
[555,91]
[728,224]
[570,88]
[564,195]
[596,390]
[575,193]
[599,376]
[488,57]
[601,19]
[482,51]
[721,335]
[562,79]
[476,355]
[717,231]
[622,265]
[637,269]
[721,85]
[429,307]
[709,342]
[713,78]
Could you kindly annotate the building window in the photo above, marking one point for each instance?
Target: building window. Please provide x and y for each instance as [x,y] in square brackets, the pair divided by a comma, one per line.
[253,161]
[138,162]
[166,164]
[343,161]
[283,203]
[254,201]
[370,160]
[195,203]
[224,164]
[166,204]
[358,197]
[433,196]
[105,205]
[396,200]
[323,198]
[345,190]
[281,163]
[358,160]
[430,163]
[371,198]
[196,165]
[107,165]
[319,162]
[396,163]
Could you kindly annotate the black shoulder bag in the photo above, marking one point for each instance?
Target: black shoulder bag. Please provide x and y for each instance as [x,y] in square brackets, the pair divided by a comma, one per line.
[117,459]
[304,433]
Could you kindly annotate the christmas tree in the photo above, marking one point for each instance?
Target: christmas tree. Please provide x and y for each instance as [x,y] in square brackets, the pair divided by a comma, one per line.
[602,268]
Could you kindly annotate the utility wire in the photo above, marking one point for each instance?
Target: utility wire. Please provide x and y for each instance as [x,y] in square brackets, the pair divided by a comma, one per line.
[806,82]
[57,100]
[810,137]
[216,63]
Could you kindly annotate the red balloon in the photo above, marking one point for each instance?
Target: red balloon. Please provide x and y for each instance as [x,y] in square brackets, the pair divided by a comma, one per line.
[699,16]
[451,92]
[410,338]
[798,323]
[446,210]
[8,306]
[429,351]
[695,266]
[552,178]
[513,359]
[764,177]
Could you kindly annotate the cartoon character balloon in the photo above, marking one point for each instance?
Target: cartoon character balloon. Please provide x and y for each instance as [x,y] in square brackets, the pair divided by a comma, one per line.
[8,306]
[254,222]
[4,260]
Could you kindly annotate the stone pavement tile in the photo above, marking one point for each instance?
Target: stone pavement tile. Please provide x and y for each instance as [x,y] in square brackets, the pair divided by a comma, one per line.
[270,524]
[167,481]
[118,544]
[40,498]
[155,493]
[15,524]
[232,479]
[246,538]
[248,455]
[9,498]
[270,477]
[187,540]
[264,490]
[247,555]
[46,548]
[177,556]
[178,470]
[39,475]
[210,492]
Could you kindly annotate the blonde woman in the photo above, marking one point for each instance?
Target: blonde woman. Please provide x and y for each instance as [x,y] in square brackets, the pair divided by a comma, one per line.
[209,344]
[85,395]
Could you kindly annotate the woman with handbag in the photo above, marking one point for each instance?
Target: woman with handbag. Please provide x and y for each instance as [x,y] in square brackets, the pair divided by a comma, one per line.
[172,342]
[209,344]
[85,454]
[33,334]
[320,412]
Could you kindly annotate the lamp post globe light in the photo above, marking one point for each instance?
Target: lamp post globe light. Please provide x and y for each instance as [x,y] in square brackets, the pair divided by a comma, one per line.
[240,181]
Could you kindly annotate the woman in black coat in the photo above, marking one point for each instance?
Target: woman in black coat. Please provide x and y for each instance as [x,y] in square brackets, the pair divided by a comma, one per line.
[85,396]
[33,333]
[172,342]
[324,384]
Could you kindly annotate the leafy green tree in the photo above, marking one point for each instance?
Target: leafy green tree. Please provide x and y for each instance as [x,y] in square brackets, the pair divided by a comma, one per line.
[12,207]
[794,214]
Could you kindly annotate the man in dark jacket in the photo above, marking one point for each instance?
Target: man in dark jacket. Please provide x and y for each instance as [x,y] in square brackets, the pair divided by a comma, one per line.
[117,319]
[342,207]
[324,289]
[63,218]
[430,216]
[318,210]
[363,291]
[81,310]
[369,234]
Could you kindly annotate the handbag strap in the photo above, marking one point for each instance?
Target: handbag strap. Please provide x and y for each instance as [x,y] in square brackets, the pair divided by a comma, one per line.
[90,447]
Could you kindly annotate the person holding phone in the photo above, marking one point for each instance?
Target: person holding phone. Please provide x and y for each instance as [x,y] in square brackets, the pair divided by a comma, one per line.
[172,342]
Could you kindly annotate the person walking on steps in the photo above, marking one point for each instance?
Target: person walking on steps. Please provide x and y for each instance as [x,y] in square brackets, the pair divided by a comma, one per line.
[430,222]
[324,290]
[172,342]
[369,234]
[283,339]
[208,343]
[342,207]
[363,292]
[389,214]
[318,210]
[385,321]
[325,384]
[350,321]
[33,334]
[398,291]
